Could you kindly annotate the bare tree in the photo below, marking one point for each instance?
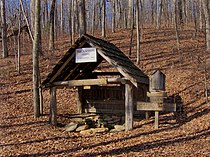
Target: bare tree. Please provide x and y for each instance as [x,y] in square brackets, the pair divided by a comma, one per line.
[4,30]
[131,32]
[152,11]
[130,13]
[19,31]
[26,19]
[82,21]
[52,26]
[73,21]
[103,18]
[93,17]
[61,16]
[200,15]
[70,19]
[137,32]
[207,23]
[159,5]
[113,15]
[32,15]
[45,13]
[36,52]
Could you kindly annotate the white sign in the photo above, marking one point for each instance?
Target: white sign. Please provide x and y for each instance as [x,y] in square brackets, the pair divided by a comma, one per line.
[85,55]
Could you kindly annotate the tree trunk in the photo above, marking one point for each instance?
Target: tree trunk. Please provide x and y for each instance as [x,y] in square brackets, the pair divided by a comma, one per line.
[125,14]
[159,5]
[19,31]
[177,29]
[70,20]
[52,26]
[4,30]
[103,19]
[200,15]
[207,23]
[77,22]
[32,10]
[180,12]
[26,20]
[56,24]
[93,17]
[131,35]
[82,21]
[137,32]
[62,17]
[152,11]
[45,14]
[113,15]
[73,21]
[130,13]
[36,52]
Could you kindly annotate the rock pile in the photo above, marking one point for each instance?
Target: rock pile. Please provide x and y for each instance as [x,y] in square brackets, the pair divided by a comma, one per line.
[92,124]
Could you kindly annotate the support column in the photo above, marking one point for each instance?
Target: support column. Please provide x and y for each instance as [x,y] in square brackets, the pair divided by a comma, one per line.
[156,119]
[128,107]
[79,100]
[53,106]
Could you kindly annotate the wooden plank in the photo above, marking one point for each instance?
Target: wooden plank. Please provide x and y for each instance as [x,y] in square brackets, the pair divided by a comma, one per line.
[109,102]
[152,106]
[128,107]
[157,99]
[85,82]
[105,73]
[157,94]
[71,72]
[94,110]
[156,119]
[89,82]
[118,80]
[53,106]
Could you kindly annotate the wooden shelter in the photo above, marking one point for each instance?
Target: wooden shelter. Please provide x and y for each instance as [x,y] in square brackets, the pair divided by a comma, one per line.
[112,91]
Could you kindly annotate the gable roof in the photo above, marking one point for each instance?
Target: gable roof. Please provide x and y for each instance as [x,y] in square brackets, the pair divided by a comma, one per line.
[67,69]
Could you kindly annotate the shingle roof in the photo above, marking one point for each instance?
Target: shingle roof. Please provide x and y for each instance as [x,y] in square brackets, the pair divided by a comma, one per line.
[67,69]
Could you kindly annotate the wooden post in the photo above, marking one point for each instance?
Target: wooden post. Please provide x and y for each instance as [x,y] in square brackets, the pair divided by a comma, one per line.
[79,99]
[53,106]
[128,107]
[156,119]
[41,101]
[146,115]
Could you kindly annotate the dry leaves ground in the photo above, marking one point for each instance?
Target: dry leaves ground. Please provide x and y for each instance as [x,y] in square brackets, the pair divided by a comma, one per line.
[22,135]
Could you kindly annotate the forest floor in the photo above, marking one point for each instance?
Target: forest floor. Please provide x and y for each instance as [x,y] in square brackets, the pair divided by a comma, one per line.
[23,135]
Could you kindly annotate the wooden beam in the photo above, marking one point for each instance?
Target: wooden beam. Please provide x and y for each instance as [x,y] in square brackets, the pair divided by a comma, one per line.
[154,106]
[53,106]
[118,80]
[128,107]
[86,82]
[106,73]
[107,102]
[71,72]
[89,82]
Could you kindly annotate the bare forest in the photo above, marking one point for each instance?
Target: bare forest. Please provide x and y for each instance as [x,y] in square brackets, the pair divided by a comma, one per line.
[168,35]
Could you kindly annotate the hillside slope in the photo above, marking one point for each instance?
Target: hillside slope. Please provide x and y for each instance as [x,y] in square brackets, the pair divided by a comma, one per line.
[22,135]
